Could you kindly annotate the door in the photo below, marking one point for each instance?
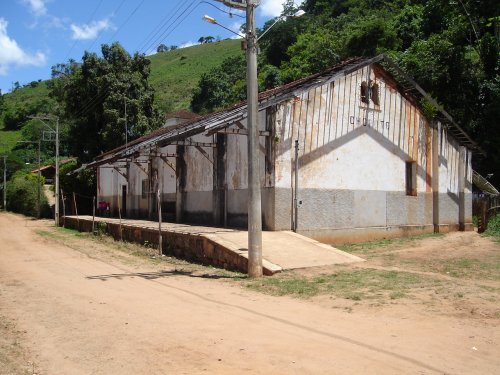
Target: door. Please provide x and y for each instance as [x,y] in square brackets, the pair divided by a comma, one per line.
[124,200]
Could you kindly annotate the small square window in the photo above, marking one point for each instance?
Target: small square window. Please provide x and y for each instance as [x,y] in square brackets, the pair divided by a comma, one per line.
[411,178]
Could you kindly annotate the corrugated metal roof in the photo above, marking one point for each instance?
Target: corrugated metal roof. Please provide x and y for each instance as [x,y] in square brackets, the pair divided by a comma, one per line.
[163,136]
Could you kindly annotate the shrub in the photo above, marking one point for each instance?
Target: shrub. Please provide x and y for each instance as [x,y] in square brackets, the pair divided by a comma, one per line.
[22,195]
[493,228]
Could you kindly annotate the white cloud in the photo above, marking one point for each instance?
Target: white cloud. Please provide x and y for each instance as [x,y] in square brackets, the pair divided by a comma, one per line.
[188,44]
[37,7]
[90,31]
[274,8]
[236,26]
[12,54]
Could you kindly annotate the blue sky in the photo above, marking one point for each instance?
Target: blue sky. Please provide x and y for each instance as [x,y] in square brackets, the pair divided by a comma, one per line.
[36,34]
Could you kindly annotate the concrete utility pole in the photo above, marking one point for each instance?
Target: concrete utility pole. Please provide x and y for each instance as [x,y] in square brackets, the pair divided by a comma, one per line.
[254,193]
[56,131]
[4,182]
[39,189]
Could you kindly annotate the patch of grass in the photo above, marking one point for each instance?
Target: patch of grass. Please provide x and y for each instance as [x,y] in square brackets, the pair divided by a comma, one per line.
[367,247]
[493,228]
[349,284]
[130,253]
[468,268]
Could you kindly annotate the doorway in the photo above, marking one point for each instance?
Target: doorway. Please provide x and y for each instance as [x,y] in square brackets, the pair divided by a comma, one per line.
[124,200]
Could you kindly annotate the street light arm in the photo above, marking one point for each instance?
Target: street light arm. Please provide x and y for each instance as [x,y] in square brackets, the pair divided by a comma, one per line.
[214,22]
[270,27]
[297,14]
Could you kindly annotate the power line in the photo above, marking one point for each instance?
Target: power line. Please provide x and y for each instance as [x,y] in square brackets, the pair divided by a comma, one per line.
[114,13]
[90,19]
[173,25]
[157,29]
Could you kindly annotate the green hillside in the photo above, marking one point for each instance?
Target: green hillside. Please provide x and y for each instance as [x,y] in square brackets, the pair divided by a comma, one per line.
[175,74]
[30,99]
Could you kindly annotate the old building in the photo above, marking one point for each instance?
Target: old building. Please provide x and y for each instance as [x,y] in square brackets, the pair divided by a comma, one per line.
[347,154]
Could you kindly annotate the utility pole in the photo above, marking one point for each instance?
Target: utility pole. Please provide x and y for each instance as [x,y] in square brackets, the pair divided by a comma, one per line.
[254,194]
[39,198]
[4,182]
[39,176]
[57,174]
[126,126]
[56,131]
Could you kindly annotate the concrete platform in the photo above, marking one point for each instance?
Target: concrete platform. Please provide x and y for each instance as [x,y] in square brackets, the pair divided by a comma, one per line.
[221,247]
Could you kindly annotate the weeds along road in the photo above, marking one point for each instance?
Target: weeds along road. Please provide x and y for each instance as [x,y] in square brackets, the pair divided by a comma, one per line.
[68,311]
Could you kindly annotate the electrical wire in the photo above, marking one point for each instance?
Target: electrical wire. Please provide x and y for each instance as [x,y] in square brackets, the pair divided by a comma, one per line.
[171,25]
[116,11]
[90,19]
[158,28]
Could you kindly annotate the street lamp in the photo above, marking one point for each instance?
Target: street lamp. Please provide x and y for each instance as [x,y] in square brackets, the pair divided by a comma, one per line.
[56,131]
[254,193]
[39,174]
[297,14]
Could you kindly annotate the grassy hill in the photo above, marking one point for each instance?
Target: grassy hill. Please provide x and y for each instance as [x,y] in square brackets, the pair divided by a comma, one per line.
[174,76]
[30,96]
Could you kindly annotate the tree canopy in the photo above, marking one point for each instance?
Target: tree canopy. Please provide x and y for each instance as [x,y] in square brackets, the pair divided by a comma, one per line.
[451,48]
[102,97]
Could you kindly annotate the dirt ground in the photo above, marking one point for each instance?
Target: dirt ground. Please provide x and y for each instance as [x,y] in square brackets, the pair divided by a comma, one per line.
[70,304]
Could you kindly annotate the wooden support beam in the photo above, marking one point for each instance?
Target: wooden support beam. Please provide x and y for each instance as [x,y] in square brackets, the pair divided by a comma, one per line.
[120,172]
[241,132]
[195,144]
[204,153]
[141,168]
[167,162]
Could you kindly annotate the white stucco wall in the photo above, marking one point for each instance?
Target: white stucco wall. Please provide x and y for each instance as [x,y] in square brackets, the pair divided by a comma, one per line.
[336,149]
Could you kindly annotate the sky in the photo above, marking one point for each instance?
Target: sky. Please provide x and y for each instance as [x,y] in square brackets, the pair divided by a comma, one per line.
[37,34]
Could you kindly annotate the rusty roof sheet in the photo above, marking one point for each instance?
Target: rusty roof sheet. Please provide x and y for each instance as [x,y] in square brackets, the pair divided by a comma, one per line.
[225,117]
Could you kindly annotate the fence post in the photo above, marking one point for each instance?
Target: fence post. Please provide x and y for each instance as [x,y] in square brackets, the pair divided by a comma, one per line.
[76,210]
[64,208]
[93,215]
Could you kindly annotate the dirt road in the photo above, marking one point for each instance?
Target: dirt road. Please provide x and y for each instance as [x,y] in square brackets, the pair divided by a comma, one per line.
[74,312]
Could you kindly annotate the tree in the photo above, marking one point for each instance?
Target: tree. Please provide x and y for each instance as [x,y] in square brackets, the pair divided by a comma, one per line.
[201,40]
[221,86]
[162,48]
[94,98]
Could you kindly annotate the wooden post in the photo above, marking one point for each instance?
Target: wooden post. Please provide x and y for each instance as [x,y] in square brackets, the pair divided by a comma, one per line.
[435,176]
[120,217]
[461,187]
[93,215]
[76,210]
[160,239]
[64,208]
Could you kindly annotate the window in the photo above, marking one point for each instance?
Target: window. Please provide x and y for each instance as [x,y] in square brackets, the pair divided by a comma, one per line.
[370,91]
[145,188]
[411,178]
[374,93]
[365,95]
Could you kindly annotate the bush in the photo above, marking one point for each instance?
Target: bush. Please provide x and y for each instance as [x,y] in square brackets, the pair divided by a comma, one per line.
[22,195]
[493,228]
